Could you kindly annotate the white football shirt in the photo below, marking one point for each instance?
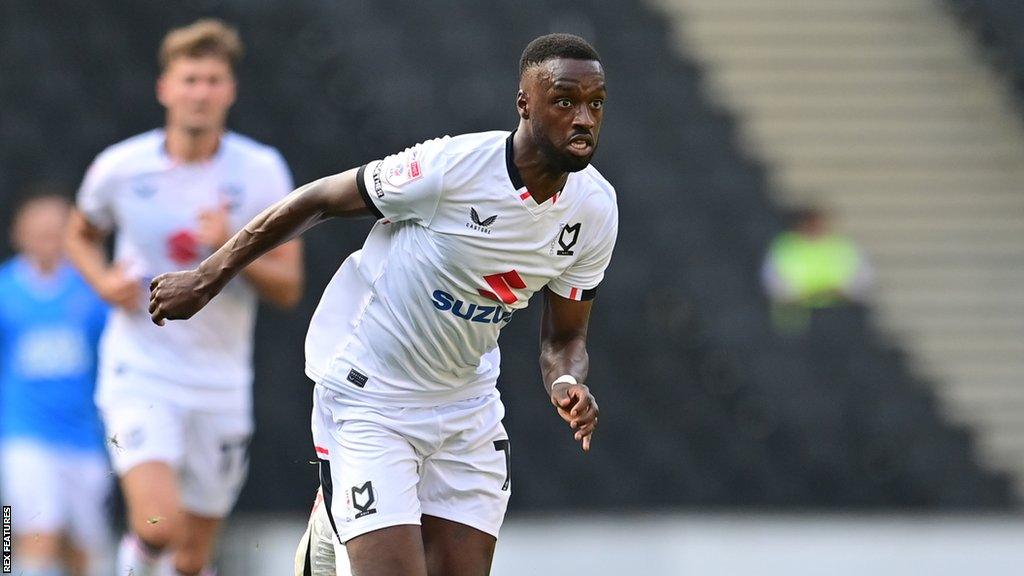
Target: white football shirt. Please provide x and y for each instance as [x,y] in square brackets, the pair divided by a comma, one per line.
[413,318]
[152,204]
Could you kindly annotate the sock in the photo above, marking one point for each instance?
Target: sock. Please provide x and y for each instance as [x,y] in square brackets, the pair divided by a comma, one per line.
[135,558]
[317,550]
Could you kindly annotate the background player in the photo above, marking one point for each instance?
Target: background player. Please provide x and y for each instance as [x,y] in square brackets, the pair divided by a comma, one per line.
[52,439]
[403,347]
[177,403]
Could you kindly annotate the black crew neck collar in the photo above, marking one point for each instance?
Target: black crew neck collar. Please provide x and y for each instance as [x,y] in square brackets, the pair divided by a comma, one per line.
[510,164]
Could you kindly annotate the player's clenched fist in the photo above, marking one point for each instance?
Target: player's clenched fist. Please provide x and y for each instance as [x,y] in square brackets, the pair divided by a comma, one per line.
[578,407]
[178,296]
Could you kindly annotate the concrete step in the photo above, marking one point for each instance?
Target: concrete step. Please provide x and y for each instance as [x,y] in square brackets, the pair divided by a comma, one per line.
[938,163]
[980,245]
[878,108]
[865,97]
[966,304]
[822,67]
[826,86]
[1005,384]
[942,298]
[989,283]
[1000,441]
[949,318]
[939,275]
[1006,457]
[1010,221]
[794,139]
[911,305]
[935,127]
[955,266]
[837,57]
[912,44]
[804,176]
[924,190]
[1006,398]
[1006,330]
[810,9]
[1008,373]
[984,153]
[772,30]
[987,417]
[886,201]
[952,295]
[892,298]
[1008,226]
[743,77]
[956,347]
[1003,460]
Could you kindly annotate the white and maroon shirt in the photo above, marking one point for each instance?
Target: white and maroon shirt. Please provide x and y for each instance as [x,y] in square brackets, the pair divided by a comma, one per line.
[413,318]
[152,204]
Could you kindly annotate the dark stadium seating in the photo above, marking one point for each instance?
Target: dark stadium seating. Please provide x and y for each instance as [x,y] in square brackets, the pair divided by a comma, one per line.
[703,404]
[999,25]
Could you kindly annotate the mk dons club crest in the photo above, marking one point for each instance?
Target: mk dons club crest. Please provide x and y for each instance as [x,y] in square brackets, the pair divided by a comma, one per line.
[567,238]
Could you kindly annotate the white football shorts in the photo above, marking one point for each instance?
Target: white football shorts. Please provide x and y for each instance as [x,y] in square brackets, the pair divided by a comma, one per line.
[209,449]
[55,490]
[385,466]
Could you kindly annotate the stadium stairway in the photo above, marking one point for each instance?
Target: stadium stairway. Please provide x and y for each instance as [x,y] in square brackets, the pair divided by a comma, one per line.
[883,113]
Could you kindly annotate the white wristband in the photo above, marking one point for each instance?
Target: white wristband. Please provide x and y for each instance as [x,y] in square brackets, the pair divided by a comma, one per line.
[567,378]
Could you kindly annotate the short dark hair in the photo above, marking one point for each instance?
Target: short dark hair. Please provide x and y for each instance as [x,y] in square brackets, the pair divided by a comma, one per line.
[556,46]
[40,193]
[804,214]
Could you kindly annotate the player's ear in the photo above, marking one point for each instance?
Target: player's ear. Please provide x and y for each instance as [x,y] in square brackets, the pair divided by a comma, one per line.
[234,91]
[523,104]
[161,90]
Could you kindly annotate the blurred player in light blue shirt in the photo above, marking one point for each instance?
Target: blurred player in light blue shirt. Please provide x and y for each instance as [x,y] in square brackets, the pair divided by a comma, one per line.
[54,470]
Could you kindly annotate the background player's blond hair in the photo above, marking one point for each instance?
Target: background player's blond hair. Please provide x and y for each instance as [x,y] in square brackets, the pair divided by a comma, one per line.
[206,37]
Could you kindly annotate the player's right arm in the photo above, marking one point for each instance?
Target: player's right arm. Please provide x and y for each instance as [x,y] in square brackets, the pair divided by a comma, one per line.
[84,245]
[91,221]
[179,295]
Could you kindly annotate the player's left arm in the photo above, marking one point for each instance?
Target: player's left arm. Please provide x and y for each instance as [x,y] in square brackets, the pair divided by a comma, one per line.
[563,352]
[567,302]
[277,276]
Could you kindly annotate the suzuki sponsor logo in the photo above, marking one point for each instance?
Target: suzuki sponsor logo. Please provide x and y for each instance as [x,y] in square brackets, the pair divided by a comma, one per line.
[469,311]
[502,285]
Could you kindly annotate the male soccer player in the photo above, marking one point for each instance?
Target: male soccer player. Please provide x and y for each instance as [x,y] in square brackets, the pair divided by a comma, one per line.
[403,347]
[177,403]
[53,468]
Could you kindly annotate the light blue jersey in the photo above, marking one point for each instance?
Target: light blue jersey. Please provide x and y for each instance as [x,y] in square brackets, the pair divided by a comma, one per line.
[49,330]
